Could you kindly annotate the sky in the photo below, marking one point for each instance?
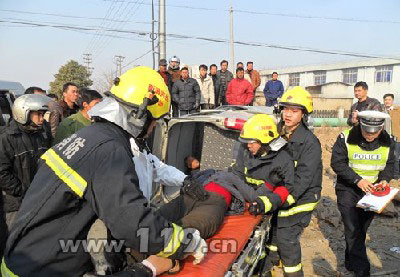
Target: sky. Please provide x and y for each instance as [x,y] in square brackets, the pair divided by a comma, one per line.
[32,55]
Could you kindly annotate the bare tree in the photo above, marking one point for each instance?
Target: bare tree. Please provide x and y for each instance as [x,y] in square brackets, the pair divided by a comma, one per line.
[104,82]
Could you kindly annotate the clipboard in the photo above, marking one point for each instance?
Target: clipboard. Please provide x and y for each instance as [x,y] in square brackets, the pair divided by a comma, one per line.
[377,203]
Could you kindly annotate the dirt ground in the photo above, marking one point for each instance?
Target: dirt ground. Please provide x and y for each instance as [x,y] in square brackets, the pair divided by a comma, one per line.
[323,241]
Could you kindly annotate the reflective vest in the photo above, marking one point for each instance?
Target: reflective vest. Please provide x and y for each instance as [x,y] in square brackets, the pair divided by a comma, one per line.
[365,163]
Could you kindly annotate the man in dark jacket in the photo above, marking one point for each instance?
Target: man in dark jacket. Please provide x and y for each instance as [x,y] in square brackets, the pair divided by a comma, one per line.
[3,228]
[361,157]
[273,90]
[364,103]
[306,152]
[22,143]
[175,72]
[92,175]
[165,74]
[89,98]
[64,107]
[225,76]
[186,93]
[216,83]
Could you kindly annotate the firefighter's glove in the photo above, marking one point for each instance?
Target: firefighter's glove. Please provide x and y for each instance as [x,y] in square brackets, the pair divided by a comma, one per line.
[258,206]
[197,248]
[276,176]
[194,189]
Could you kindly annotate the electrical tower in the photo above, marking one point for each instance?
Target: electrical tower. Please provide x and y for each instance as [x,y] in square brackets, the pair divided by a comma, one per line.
[87,60]
[118,61]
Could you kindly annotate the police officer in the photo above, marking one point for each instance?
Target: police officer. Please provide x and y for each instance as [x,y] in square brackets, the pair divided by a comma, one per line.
[361,157]
[288,224]
[92,175]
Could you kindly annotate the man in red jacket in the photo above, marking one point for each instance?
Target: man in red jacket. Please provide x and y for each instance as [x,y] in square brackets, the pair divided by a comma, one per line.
[240,91]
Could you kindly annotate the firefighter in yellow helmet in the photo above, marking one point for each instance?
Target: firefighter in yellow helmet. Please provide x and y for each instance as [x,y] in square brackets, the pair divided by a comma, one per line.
[100,172]
[287,225]
[264,164]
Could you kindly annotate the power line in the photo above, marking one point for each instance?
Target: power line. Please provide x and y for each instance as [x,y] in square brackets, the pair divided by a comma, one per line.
[276,14]
[73,16]
[128,12]
[117,14]
[219,40]
[95,36]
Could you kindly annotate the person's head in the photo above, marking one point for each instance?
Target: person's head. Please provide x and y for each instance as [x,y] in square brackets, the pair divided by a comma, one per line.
[388,100]
[224,65]
[240,73]
[258,132]
[137,99]
[372,124]
[213,69]
[295,104]
[174,62]
[29,109]
[89,98]
[239,65]
[163,65]
[203,70]
[35,90]
[192,163]
[361,91]
[52,96]
[249,66]
[184,73]
[70,92]
[275,76]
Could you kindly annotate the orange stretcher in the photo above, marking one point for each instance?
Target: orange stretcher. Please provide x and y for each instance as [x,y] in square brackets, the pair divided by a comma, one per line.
[239,235]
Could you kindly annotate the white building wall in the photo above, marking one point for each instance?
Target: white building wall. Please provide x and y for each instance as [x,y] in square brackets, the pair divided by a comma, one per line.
[334,73]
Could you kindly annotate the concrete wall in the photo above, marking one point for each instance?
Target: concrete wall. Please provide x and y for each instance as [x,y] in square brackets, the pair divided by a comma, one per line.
[321,103]
[334,73]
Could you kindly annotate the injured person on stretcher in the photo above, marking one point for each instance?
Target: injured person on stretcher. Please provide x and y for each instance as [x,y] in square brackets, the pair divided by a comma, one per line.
[262,175]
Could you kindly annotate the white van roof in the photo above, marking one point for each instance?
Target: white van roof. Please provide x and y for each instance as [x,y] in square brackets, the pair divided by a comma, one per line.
[14,87]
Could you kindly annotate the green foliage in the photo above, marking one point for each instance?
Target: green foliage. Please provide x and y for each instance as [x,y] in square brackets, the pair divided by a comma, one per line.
[72,71]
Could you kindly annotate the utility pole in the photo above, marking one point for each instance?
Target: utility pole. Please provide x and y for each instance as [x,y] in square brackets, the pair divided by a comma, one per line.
[153,38]
[87,60]
[118,61]
[231,44]
[162,27]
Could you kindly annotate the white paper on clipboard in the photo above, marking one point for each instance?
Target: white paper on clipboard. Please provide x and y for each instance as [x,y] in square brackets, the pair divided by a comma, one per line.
[377,203]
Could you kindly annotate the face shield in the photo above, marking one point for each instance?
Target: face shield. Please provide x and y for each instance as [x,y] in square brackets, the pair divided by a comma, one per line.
[122,115]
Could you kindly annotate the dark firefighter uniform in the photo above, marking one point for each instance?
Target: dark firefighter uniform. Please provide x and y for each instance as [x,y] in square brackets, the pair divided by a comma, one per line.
[256,172]
[87,176]
[289,222]
[353,159]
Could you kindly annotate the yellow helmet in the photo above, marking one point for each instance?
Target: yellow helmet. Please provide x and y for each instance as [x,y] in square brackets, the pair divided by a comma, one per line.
[297,96]
[139,83]
[260,127]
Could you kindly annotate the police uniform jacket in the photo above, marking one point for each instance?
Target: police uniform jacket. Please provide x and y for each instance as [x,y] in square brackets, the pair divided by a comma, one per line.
[347,178]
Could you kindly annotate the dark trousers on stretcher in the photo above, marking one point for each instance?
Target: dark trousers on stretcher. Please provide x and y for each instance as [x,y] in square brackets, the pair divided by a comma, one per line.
[356,222]
[205,216]
[284,245]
